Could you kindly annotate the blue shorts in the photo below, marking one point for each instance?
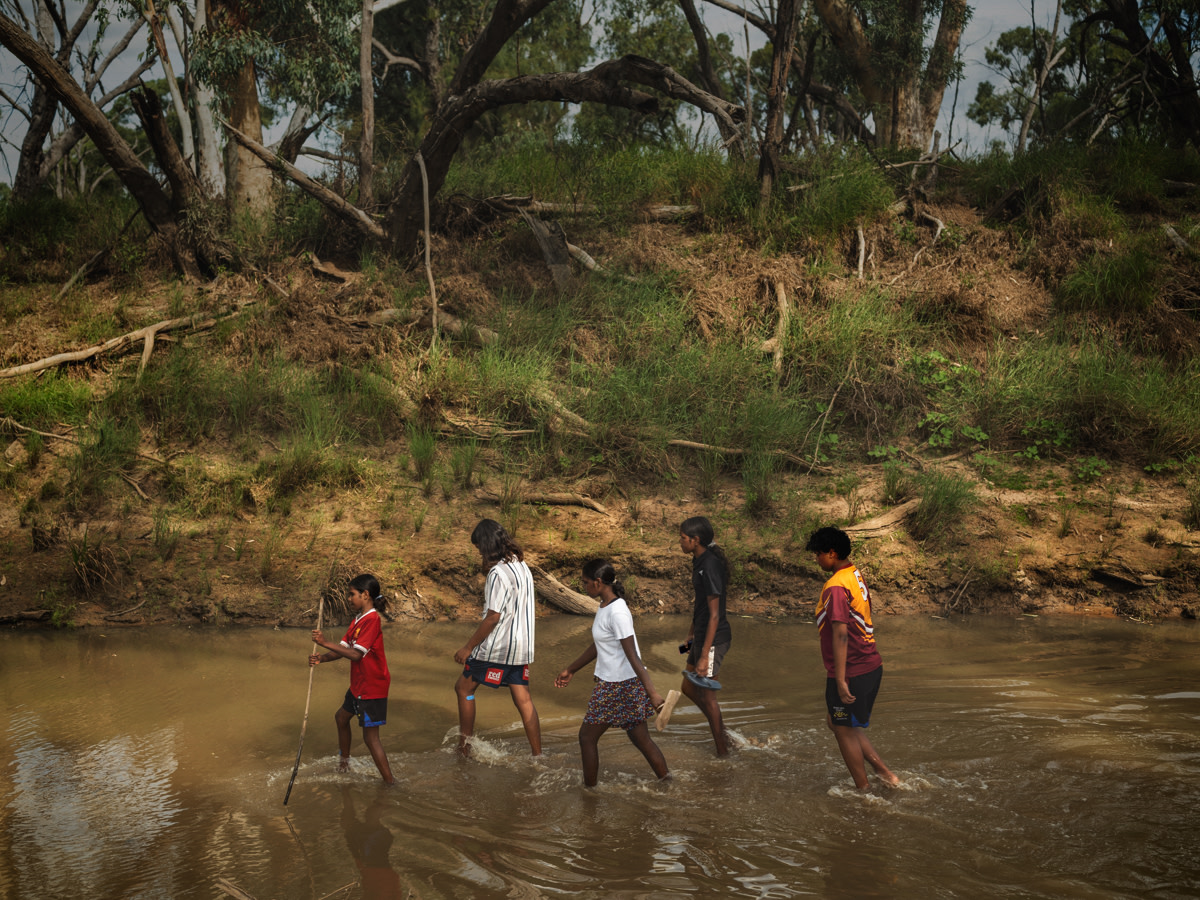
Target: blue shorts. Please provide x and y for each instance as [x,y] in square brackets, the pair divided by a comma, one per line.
[371,713]
[496,675]
[865,688]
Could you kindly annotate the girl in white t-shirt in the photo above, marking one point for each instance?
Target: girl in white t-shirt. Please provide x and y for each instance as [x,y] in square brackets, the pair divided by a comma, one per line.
[623,695]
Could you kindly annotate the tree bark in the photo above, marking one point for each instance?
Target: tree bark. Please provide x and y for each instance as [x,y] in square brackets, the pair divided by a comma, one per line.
[705,74]
[208,147]
[155,204]
[248,179]
[366,150]
[782,49]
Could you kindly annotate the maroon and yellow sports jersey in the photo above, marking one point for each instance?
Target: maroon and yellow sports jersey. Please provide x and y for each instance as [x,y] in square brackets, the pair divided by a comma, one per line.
[845,598]
[369,676]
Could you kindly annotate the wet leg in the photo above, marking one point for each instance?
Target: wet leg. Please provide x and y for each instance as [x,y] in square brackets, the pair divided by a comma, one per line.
[640,736]
[852,753]
[464,690]
[523,701]
[871,755]
[342,719]
[707,701]
[589,751]
[375,747]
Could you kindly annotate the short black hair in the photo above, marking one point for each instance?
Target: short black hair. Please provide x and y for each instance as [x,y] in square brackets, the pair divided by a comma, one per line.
[829,538]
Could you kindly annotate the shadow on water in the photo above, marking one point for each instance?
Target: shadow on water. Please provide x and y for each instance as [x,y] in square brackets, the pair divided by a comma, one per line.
[1039,758]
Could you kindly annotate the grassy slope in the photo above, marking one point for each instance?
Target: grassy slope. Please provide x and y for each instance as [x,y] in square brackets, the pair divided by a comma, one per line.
[1033,382]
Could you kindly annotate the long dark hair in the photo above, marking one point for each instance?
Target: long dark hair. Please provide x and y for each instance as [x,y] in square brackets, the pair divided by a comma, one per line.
[494,544]
[369,585]
[699,528]
[602,570]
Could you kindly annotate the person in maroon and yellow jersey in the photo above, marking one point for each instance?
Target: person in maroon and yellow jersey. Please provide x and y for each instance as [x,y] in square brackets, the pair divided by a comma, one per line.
[853,664]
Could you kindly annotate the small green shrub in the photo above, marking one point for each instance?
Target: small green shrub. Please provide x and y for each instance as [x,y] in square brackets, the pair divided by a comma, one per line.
[945,500]
[422,447]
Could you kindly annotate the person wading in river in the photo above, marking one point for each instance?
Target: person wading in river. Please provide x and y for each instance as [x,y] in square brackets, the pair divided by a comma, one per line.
[852,662]
[501,649]
[623,693]
[709,637]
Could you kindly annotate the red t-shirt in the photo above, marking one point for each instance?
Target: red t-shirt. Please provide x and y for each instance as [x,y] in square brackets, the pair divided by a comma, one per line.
[845,598]
[369,676]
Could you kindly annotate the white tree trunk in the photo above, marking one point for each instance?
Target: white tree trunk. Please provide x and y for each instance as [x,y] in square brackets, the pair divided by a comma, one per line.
[209,168]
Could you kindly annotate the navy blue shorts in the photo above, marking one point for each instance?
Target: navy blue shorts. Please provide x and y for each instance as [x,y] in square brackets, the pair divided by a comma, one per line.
[865,689]
[371,713]
[496,675]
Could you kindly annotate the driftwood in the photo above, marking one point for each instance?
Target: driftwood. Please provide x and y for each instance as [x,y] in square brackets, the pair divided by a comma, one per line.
[774,345]
[1176,239]
[553,242]
[551,499]
[558,594]
[884,523]
[117,345]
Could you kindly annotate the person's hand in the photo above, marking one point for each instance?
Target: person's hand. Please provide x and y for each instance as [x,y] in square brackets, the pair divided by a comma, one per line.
[844,692]
[318,637]
[313,660]
[462,655]
[656,699]
[564,678]
[702,662]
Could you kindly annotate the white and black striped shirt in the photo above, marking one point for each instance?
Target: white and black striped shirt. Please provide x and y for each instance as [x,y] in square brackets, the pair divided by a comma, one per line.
[509,592]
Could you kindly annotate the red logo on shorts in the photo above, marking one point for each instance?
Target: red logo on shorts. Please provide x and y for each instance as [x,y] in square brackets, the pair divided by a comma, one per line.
[494,675]
[525,673]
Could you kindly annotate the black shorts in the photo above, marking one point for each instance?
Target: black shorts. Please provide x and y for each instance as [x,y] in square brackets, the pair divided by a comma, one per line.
[711,666]
[496,675]
[865,689]
[371,713]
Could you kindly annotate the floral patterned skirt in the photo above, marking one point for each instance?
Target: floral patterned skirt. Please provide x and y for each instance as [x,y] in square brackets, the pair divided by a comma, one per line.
[624,704]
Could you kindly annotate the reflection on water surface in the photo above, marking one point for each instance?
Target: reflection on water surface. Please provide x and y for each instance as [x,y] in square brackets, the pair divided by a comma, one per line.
[1040,758]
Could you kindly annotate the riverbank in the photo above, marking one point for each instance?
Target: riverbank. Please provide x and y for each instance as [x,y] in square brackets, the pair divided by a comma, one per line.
[230,452]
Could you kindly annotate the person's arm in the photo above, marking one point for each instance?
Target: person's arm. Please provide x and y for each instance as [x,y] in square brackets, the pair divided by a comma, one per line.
[565,676]
[639,668]
[710,633]
[489,623]
[841,640]
[336,651]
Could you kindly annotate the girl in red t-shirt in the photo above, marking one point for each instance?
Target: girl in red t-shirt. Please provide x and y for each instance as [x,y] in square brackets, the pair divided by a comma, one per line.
[369,675]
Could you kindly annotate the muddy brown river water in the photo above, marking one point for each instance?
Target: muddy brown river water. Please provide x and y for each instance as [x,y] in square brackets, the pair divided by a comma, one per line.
[1041,757]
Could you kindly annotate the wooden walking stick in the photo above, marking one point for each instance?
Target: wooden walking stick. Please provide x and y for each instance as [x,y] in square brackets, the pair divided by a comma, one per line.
[307,699]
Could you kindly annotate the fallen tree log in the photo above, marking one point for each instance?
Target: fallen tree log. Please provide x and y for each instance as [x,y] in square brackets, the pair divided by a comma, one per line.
[558,594]
[118,345]
[551,499]
[885,522]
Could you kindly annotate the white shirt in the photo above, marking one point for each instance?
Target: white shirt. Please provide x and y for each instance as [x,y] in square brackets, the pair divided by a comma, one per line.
[509,592]
[612,623]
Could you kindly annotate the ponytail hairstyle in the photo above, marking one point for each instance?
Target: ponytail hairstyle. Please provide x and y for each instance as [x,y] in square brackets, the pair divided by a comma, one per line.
[369,585]
[494,544]
[602,570]
[699,528]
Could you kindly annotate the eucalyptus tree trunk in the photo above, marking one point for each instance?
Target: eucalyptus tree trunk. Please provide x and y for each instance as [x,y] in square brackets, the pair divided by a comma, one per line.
[906,101]
[248,179]
[782,48]
[366,150]
[208,165]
